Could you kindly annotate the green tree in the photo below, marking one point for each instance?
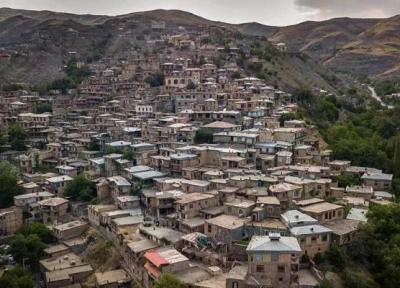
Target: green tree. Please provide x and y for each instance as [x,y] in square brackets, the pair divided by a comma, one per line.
[128,154]
[345,180]
[9,177]
[43,108]
[81,188]
[27,249]
[38,229]
[381,244]
[11,87]
[16,137]
[168,281]
[337,257]
[3,141]
[16,278]
[286,117]
[324,284]
[236,75]
[156,79]
[396,158]
[351,279]
[94,146]
[203,135]
[74,76]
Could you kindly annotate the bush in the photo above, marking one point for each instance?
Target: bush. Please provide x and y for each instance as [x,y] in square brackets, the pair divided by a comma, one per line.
[324,284]
[9,177]
[17,137]
[168,281]
[155,80]
[203,135]
[81,188]
[43,108]
[38,229]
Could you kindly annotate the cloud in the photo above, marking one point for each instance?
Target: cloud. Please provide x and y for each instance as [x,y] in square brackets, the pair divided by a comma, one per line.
[322,9]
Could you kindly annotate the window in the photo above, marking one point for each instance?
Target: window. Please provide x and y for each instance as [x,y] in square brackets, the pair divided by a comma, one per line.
[281,268]
[274,257]
[209,229]
[314,238]
[260,268]
[259,258]
[235,284]
[325,238]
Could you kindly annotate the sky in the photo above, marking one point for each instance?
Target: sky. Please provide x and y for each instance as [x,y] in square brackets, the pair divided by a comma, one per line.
[270,12]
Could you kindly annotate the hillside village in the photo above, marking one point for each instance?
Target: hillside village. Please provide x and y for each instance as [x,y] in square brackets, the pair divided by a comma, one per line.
[185,166]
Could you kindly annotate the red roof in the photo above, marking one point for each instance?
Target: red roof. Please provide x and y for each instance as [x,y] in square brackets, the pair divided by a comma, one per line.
[152,270]
[155,258]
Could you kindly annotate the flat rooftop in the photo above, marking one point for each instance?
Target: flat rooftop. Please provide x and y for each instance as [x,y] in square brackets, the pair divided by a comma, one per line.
[114,276]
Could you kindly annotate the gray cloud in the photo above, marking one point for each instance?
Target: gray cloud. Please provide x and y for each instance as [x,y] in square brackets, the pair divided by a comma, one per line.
[322,9]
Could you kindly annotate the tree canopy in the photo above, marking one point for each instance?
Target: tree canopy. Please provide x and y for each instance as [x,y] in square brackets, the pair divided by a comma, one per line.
[155,80]
[366,137]
[43,108]
[16,278]
[16,137]
[9,176]
[38,229]
[27,249]
[74,76]
[81,188]
[372,260]
[29,242]
[380,244]
[203,135]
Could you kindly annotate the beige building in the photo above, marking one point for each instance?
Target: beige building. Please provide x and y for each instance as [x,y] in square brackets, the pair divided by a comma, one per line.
[286,193]
[273,261]
[294,136]
[113,279]
[64,270]
[324,211]
[53,209]
[239,207]
[70,230]
[191,204]
[94,212]
[225,229]
[365,192]
[379,181]
[313,239]
[189,209]
[10,220]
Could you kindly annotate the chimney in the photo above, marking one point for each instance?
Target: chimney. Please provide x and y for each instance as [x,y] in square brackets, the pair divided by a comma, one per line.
[274,236]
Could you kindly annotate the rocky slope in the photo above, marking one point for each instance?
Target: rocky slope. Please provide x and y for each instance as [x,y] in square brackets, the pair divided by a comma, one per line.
[40,42]
[368,47]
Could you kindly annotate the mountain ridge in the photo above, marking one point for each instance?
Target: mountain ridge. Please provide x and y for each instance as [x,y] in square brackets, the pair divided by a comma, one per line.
[350,46]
